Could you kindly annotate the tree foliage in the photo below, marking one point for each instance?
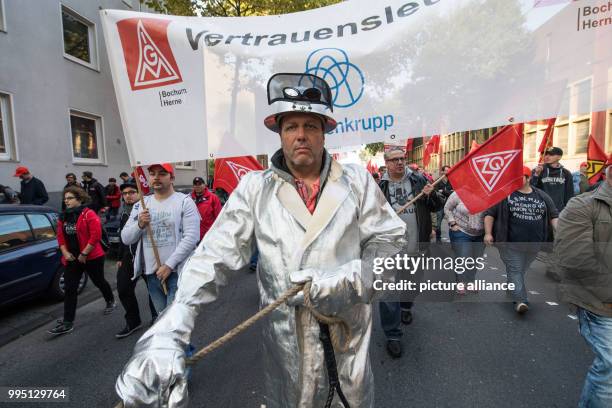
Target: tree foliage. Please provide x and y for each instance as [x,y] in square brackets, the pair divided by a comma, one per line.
[374,148]
[234,8]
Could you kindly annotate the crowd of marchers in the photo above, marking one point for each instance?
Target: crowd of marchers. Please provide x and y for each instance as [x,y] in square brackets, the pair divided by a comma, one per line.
[555,216]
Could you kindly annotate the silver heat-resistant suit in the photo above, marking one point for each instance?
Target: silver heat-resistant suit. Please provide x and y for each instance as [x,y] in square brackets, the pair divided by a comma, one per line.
[352,223]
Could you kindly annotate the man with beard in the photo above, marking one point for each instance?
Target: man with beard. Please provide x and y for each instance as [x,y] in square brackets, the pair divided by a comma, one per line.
[313,220]
[400,185]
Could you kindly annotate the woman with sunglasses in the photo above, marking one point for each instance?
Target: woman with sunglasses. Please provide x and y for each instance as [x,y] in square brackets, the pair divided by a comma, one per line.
[79,232]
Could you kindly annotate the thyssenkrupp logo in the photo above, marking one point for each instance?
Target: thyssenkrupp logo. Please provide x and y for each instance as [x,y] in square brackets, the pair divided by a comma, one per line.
[148,57]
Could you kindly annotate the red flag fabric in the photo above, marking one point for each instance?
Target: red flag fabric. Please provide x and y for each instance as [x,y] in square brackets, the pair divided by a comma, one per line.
[432,146]
[230,170]
[369,166]
[474,146]
[490,173]
[144,183]
[409,145]
[596,160]
[547,140]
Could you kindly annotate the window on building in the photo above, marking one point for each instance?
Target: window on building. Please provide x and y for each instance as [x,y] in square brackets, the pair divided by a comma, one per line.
[185,165]
[560,137]
[582,98]
[14,232]
[128,3]
[582,136]
[529,147]
[2,20]
[7,136]
[79,38]
[86,136]
[41,226]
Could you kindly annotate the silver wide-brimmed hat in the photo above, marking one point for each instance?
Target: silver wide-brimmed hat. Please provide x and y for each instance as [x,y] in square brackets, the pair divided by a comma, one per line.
[300,93]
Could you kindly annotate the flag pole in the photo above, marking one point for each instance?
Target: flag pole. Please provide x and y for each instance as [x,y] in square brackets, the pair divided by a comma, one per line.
[149,230]
[421,194]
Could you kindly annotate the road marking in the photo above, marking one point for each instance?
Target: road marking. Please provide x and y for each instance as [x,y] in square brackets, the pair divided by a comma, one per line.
[504,275]
[573,317]
[552,303]
[493,268]
[533,292]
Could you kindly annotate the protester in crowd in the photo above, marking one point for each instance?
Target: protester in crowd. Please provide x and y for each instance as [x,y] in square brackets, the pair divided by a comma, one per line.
[275,209]
[558,183]
[399,186]
[71,180]
[382,170]
[466,233]
[519,225]
[376,177]
[583,245]
[113,198]
[443,187]
[209,205]
[125,268]
[8,195]
[554,179]
[79,232]
[580,179]
[175,222]
[95,190]
[33,190]
[125,178]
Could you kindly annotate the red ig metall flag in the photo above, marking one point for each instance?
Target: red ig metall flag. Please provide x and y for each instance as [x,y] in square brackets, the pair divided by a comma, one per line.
[144,183]
[491,172]
[229,171]
[596,161]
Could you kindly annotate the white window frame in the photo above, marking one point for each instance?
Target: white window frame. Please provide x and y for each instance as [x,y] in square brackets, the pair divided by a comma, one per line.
[182,166]
[93,39]
[8,127]
[2,17]
[99,120]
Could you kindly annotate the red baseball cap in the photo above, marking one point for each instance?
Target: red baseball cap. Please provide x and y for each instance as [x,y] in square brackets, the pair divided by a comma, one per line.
[166,166]
[584,164]
[526,171]
[20,171]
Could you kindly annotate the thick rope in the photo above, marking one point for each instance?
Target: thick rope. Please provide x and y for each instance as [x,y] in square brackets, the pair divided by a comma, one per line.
[337,326]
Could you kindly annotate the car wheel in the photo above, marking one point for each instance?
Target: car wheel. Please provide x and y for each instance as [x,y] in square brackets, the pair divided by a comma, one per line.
[57,286]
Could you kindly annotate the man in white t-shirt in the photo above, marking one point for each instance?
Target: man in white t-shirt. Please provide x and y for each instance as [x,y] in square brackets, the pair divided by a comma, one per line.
[175,222]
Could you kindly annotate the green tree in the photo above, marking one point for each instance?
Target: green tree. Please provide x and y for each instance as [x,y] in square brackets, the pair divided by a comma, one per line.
[374,148]
[234,8]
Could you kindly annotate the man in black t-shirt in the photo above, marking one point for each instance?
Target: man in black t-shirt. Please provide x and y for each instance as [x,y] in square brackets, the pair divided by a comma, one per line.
[554,179]
[519,225]
[558,183]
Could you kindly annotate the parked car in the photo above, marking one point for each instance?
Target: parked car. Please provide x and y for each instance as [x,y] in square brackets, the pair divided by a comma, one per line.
[114,237]
[29,254]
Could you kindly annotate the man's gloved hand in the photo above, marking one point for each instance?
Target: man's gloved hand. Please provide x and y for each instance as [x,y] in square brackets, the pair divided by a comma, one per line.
[331,291]
[154,378]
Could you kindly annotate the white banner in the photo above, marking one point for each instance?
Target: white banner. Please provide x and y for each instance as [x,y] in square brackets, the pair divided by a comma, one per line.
[193,88]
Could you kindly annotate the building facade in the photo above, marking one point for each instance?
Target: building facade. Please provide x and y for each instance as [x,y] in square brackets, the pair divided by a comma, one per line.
[570,133]
[58,110]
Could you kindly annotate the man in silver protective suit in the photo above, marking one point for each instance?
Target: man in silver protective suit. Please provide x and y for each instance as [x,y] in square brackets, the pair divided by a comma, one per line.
[312,219]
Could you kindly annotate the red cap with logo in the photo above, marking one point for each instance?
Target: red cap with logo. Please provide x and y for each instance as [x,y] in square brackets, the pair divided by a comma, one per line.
[20,171]
[166,166]
[526,171]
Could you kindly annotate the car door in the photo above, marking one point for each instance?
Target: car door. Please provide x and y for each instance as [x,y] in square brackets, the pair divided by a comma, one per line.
[15,236]
[42,258]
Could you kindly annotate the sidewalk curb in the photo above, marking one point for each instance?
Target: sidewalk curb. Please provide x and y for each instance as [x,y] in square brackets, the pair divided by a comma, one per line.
[56,313]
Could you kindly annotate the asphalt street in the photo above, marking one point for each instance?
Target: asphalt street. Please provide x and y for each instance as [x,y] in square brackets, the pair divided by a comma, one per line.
[456,354]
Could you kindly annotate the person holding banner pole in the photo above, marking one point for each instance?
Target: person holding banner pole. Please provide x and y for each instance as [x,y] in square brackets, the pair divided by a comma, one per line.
[313,220]
[173,230]
[399,185]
